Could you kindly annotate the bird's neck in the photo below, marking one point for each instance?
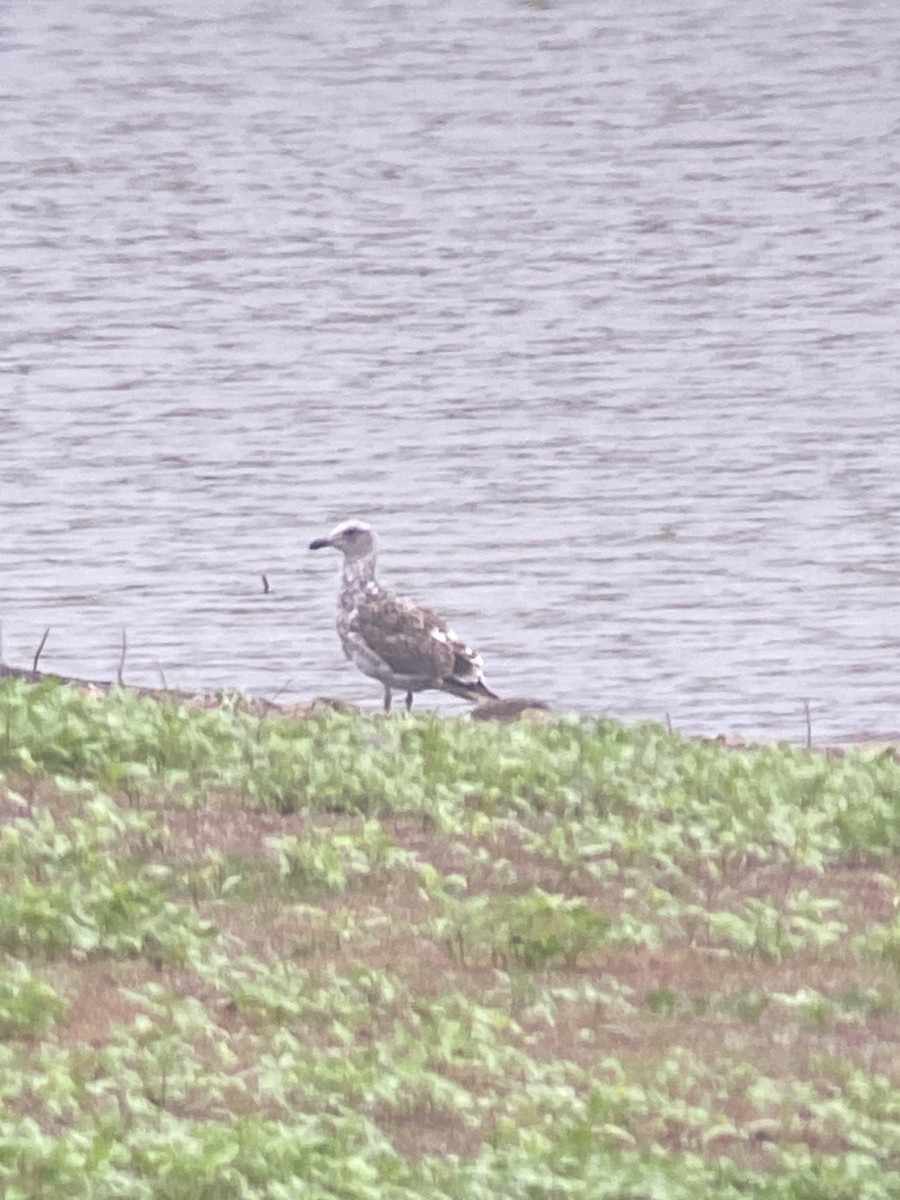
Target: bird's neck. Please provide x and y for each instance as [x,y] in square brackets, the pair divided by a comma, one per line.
[357,574]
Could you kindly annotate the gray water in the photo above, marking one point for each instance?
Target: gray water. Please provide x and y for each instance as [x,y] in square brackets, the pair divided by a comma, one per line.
[590,308]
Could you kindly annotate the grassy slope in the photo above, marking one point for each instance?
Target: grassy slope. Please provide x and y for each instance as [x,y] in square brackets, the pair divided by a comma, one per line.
[350,957]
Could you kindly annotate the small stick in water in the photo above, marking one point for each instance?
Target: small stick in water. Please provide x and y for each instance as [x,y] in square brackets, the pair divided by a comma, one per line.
[266,588]
[40,649]
[120,678]
[808,725]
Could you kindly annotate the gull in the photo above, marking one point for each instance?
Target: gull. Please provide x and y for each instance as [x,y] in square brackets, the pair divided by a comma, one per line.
[391,639]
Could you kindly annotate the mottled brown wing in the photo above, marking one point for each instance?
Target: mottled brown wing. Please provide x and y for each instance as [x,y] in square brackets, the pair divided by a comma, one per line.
[403,636]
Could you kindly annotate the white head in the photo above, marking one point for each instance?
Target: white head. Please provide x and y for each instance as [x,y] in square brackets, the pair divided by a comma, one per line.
[354,539]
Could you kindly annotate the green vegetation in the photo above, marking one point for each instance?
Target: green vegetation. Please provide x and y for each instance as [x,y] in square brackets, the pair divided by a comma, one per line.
[248,957]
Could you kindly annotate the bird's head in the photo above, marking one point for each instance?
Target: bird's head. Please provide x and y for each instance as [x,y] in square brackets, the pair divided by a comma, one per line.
[354,539]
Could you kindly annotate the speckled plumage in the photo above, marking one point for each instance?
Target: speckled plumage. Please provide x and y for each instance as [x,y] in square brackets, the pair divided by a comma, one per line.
[390,639]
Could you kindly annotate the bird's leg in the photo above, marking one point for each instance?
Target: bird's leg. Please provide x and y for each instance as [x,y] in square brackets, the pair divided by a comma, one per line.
[387,699]
[409,701]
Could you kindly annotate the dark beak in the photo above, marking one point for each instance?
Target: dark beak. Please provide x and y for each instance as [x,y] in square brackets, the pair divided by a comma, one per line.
[319,543]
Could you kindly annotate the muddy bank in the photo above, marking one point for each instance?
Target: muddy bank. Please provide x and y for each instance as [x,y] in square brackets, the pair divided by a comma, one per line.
[503,710]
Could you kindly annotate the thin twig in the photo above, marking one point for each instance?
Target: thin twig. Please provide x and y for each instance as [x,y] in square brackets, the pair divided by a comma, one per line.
[266,588]
[273,700]
[162,676]
[808,725]
[120,670]
[39,651]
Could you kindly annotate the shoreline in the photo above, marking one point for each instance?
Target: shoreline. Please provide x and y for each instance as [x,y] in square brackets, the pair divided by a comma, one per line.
[502,711]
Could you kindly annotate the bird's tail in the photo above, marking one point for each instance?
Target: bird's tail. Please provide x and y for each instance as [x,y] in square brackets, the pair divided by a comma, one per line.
[469,691]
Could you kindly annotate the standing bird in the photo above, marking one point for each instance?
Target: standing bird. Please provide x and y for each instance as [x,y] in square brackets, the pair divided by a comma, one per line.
[393,640]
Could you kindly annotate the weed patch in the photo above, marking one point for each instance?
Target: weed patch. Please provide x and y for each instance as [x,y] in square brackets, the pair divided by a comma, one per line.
[245,956]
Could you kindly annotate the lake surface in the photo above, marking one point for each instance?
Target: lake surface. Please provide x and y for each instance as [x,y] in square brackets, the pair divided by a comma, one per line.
[593,310]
